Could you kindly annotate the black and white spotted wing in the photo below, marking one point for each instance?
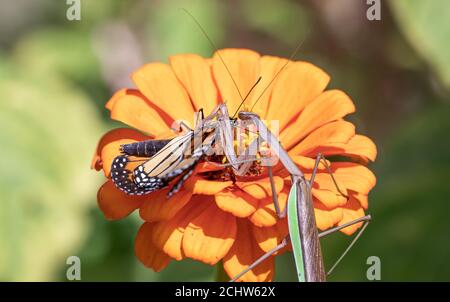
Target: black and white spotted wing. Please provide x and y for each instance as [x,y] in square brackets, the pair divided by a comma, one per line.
[163,162]
[168,163]
[122,178]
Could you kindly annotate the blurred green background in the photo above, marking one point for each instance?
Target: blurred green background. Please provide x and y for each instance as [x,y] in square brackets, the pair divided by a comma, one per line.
[56,75]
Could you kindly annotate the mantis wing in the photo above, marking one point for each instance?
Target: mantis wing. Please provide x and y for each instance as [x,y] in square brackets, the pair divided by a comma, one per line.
[294,232]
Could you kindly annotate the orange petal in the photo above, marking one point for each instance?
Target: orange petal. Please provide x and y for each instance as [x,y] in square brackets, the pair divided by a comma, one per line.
[116,95]
[308,163]
[207,167]
[261,188]
[195,74]
[269,67]
[359,146]
[159,84]
[329,198]
[363,199]
[326,191]
[270,237]
[298,85]
[326,218]
[168,234]
[114,203]
[210,235]
[236,202]
[111,136]
[243,253]
[327,107]
[243,65]
[157,207]
[133,109]
[351,211]
[266,215]
[202,186]
[354,176]
[328,135]
[147,252]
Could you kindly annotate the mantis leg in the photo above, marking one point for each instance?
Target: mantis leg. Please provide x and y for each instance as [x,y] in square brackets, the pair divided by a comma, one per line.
[283,243]
[361,231]
[229,164]
[182,127]
[366,218]
[239,164]
[226,136]
[274,195]
[243,169]
[321,158]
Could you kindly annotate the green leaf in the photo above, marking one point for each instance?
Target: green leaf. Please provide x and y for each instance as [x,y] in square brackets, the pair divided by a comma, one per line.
[425,25]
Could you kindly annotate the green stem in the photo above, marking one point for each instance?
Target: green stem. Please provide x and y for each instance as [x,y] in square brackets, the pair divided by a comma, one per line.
[221,275]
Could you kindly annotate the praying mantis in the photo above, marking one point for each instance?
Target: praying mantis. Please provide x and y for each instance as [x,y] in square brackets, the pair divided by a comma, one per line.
[303,233]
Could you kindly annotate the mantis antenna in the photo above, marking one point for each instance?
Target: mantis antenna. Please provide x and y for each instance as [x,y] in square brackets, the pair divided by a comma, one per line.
[294,53]
[215,48]
[297,49]
[250,91]
[223,62]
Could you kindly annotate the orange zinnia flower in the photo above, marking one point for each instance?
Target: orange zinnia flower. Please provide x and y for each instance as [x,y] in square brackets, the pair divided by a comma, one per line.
[215,220]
